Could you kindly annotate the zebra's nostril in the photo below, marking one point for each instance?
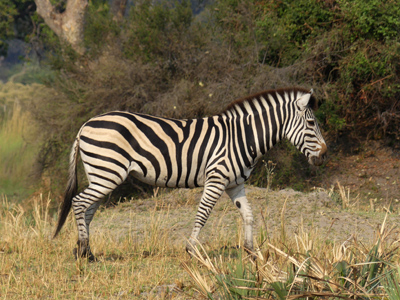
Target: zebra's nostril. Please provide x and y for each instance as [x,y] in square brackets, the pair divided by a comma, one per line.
[324,150]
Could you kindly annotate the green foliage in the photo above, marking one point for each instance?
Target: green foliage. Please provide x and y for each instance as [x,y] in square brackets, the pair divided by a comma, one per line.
[7,13]
[281,289]
[239,282]
[349,47]
[27,73]
[285,27]
[15,21]
[19,140]
[153,28]
[372,19]
[99,27]
[329,114]
[391,284]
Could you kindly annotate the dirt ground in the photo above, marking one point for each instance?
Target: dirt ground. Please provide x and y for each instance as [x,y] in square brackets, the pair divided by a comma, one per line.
[373,172]
[318,211]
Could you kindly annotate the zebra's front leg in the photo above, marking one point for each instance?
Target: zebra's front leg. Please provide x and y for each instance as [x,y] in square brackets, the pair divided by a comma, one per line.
[212,192]
[238,197]
[84,206]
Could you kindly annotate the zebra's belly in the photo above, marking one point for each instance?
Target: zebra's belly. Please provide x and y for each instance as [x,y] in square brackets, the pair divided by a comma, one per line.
[172,181]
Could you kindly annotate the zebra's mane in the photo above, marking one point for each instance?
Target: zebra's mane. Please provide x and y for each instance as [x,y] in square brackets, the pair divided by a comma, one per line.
[239,102]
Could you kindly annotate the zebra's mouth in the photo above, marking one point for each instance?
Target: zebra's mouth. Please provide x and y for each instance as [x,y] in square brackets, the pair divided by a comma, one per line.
[316,161]
[319,160]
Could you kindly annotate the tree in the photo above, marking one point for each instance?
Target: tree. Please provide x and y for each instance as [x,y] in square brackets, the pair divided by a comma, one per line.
[67,25]
[66,19]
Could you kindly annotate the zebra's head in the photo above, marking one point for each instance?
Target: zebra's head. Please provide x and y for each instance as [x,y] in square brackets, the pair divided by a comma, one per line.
[303,130]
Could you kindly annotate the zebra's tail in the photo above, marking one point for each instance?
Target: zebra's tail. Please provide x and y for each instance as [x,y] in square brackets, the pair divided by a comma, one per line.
[72,187]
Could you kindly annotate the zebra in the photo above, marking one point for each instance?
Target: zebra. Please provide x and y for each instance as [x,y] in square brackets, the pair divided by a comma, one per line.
[218,153]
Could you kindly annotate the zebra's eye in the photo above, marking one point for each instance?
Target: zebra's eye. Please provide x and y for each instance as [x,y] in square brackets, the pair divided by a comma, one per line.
[310,123]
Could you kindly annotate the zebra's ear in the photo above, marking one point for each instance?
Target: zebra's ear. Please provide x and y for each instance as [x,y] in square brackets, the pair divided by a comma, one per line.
[303,101]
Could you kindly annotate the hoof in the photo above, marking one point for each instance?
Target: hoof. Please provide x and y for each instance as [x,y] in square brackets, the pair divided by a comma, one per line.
[190,251]
[251,254]
[191,248]
[89,256]
[231,247]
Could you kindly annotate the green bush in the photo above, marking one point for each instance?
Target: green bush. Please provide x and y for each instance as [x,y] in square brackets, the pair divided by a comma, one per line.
[371,19]
[99,28]
[285,27]
[7,13]
[153,29]
[350,50]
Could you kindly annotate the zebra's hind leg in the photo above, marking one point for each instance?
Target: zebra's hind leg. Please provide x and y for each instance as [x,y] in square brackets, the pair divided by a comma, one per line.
[213,190]
[84,206]
[238,197]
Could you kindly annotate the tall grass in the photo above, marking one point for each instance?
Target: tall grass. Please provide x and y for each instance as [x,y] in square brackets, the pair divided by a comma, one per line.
[304,267]
[34,266]
[19,138]
[143,260]
[18,152]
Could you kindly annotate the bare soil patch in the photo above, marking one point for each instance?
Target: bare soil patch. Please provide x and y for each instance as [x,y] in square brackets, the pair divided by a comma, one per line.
[373,172]
[274,211]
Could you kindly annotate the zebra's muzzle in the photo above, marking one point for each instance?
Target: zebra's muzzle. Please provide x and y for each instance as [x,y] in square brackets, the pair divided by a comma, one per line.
[319,160]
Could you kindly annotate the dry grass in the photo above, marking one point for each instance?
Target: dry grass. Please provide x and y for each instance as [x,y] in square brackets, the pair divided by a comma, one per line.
[140,263]
[35,266]
[140,246]
[304,267]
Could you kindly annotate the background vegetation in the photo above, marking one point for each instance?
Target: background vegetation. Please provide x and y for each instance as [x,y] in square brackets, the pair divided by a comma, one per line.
[164,59]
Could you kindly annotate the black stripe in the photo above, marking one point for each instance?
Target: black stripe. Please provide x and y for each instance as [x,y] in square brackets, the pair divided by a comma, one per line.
[90,195]
[203,147]
[99,184]
[107,145]
[195,138]
[108,170]
[103,178]
[241,140]
[164,125]
[250,137]
[89,188]
[266,123]
[130,138]
[179,153]
[273,129]
[154,138]
[223,162]
[105,158]
[236,134]
[258,125]
[217,171]
[231,145]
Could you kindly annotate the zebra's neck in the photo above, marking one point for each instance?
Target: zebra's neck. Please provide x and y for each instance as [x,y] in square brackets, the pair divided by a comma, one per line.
[258,123]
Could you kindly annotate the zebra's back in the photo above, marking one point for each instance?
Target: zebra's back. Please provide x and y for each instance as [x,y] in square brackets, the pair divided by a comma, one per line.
[157,151]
